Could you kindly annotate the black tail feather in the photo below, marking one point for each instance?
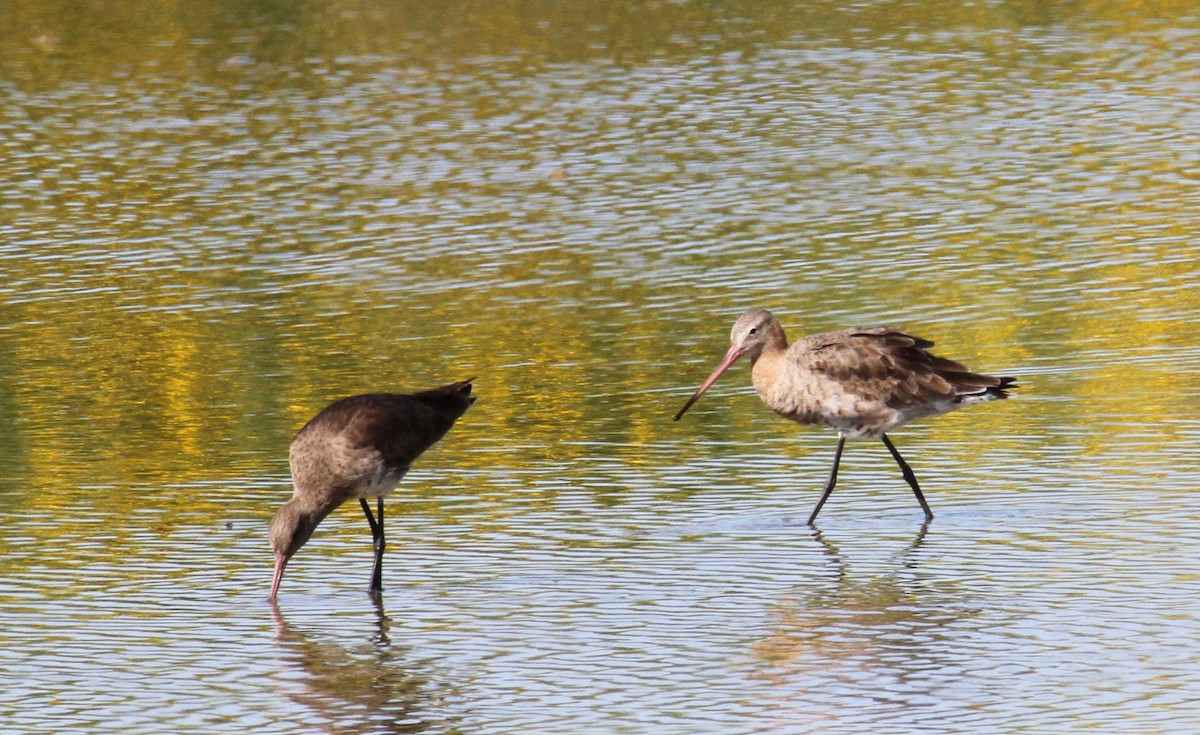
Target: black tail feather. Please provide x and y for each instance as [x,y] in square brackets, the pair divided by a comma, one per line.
[1001,390]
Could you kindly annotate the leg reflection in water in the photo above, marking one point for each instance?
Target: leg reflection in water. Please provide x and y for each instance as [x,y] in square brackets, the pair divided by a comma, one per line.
[342,667]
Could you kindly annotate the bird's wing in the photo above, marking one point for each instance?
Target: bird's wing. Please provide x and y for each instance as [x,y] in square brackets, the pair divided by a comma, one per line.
[881,364]
[399,427]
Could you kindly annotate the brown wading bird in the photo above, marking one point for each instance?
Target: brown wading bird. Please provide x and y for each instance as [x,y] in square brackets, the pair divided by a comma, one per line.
[359,447]
[861,382]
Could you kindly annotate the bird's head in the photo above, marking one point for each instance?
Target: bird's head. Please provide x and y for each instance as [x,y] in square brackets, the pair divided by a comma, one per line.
[291,529]
[752,333]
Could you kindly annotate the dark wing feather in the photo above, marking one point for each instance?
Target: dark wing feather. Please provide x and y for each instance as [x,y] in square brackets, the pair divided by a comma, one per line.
[399,427]
[890,366]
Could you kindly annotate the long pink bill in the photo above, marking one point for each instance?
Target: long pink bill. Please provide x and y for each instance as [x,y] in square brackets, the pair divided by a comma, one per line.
[730,357]
[280,562]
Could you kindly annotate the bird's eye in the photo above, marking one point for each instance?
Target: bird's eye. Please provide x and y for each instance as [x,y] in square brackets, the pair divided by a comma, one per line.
[753,330]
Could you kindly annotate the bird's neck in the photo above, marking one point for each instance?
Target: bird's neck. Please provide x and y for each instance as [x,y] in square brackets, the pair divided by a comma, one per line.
[314,505]
[771,351]
[766,368]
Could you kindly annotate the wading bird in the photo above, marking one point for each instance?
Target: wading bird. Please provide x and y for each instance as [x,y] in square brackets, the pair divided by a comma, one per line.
[861,382]
[359,447]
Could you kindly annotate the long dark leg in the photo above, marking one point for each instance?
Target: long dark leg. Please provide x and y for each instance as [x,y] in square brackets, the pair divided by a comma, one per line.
[380,543]
[908,475]
[837,459]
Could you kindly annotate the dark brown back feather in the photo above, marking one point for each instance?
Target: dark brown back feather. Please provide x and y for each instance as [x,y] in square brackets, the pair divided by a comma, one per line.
[400,427]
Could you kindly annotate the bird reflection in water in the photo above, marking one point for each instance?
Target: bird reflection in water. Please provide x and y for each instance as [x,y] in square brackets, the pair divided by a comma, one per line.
[371,687]
[860,620]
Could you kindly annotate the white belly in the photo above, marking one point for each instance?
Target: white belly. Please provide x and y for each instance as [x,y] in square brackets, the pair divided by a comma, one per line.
[378,483]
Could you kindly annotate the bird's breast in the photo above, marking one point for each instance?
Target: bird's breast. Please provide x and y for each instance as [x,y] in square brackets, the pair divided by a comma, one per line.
[813,398]
[342,469]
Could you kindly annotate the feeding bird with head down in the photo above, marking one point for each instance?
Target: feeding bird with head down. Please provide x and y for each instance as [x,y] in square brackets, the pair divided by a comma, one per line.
[358,448]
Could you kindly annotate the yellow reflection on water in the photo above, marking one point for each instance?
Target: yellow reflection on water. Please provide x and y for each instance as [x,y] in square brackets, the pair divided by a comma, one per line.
[199,266]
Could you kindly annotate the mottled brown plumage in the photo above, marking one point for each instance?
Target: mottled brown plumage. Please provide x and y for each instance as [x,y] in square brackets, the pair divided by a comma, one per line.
[359,447]
[861,382]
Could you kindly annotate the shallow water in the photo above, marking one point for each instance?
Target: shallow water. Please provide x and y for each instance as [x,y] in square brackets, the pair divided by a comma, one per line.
[217,220]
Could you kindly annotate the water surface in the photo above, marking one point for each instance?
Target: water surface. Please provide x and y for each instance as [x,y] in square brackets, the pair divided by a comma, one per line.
[216,220]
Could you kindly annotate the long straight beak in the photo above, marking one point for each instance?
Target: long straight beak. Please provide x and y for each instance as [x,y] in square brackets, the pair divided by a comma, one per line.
[280,562]
[730,357]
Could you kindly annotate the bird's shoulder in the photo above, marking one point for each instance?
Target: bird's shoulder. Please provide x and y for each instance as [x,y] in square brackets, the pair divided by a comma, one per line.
[369,420]
[853,349]
[361,410]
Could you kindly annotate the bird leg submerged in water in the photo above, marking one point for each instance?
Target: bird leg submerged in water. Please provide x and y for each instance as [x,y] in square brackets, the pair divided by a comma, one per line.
[909,477]
[904,469]
[377,541]
[828,489]
[860,382]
